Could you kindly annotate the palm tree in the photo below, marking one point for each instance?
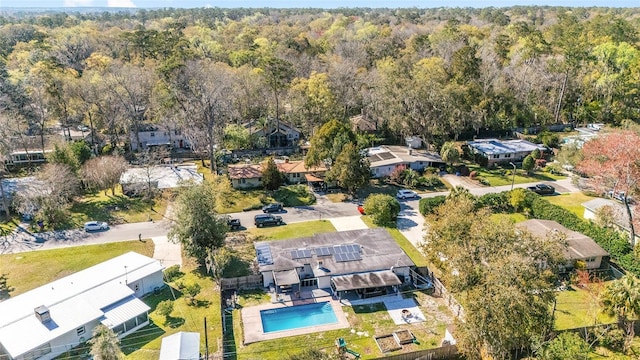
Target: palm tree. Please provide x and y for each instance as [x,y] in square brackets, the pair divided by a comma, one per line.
[621,298]
[105,344]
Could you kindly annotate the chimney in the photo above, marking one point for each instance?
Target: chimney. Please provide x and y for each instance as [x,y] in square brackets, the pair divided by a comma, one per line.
[320,263]
[42,313]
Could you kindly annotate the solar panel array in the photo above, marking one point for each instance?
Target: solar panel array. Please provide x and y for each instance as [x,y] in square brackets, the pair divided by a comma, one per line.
[264,255]
[324,251]
[386,156]
[349,248]
[350,256]
[300,254]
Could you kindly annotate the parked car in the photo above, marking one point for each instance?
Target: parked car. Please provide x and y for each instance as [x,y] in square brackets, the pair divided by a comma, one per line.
[542,189]
[361,209]
[234,223]
[95,226]
[275,207]
[620,196]
[267,220]
[407,194]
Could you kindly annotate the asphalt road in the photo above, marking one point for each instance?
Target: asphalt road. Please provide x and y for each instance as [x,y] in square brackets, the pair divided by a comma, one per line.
[410,222]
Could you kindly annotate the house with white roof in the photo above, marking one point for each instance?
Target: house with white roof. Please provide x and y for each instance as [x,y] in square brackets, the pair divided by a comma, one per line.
[618,210]
[385,159]
[503,151]
[49,320]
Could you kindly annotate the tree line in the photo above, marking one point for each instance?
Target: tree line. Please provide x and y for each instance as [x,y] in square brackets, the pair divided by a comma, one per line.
[440,74]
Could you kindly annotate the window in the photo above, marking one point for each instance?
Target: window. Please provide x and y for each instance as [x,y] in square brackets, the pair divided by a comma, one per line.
[118,329]
[152,134]
[80,331]
[137,287]
[242,181]
[259,179]
[142,318]
[507,155]
[130,324]
[496,156]
[290,136]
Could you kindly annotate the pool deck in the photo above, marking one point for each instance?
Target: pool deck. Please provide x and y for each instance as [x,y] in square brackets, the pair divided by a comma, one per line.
[252,323]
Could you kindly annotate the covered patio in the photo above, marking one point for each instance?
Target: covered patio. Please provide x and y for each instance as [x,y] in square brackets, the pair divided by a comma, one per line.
[365,285]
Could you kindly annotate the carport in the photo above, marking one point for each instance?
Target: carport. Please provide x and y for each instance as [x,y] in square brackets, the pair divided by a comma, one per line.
[365,285]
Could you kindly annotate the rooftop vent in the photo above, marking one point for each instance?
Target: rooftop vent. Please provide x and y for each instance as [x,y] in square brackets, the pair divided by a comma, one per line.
[42,313]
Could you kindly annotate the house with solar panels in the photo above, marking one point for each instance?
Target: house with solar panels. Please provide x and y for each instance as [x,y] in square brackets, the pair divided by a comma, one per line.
[50,320]
[383,160]
[353,264]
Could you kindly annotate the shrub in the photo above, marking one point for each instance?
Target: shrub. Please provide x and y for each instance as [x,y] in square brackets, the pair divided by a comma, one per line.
[428,205]
[382,208]
[192,290]
[165,308]
[613,339]
[172,273]
[432,181]
[496,202]
[484,181]
[481,160]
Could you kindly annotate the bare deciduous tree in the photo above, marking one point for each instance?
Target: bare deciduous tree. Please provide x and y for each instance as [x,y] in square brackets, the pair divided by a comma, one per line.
[104,172]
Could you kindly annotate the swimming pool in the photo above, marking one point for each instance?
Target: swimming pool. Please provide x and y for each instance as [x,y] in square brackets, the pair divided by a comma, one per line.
[295,317]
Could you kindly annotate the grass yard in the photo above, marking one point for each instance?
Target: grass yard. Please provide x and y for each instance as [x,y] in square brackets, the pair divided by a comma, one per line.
[26,271]
[117,209]
[572,202]
[504,176]
[145,343]
[366,321]
[578,307]
[514,218]
[295,230]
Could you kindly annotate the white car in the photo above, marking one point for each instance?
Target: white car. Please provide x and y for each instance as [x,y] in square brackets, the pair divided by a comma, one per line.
[95,226]
[407,194]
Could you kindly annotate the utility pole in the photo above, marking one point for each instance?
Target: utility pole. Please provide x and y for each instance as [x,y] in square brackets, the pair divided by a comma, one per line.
[513,179]
[206,340]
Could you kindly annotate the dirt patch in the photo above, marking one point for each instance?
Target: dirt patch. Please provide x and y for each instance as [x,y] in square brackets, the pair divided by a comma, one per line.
[387,343]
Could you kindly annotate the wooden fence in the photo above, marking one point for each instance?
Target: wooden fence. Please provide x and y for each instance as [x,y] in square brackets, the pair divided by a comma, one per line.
[441,353]
[241,283]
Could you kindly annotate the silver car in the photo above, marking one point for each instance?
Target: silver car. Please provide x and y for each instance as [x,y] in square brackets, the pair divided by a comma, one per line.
[95,226]
[407,194]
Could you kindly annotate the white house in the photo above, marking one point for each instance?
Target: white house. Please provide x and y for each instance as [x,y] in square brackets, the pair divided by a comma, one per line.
[155,135]
[385,159]
[503,151]
[361,263]
[49,320]
[181,346]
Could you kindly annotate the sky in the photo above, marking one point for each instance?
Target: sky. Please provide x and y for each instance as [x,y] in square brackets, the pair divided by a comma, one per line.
[328,4]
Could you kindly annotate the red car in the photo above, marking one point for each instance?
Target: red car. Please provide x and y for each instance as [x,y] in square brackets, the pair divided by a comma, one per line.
[361,209]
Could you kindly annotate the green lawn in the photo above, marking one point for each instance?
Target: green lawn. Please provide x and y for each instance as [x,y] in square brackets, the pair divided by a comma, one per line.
[29,270]
[572,202]
[294,230]
[116,209]
[515,217]
[504,176]
[366,321]
[577,307]
[145,343]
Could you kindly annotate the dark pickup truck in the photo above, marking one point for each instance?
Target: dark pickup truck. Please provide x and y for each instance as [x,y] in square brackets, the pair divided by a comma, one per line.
[542,189]
[267,220]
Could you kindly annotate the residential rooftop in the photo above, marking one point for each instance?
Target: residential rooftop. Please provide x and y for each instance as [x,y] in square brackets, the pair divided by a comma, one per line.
[373,249]
[394,154]
[579,246]
[497,147]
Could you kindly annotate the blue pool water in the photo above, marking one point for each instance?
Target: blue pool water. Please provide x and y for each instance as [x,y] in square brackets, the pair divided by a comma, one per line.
[294,317]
